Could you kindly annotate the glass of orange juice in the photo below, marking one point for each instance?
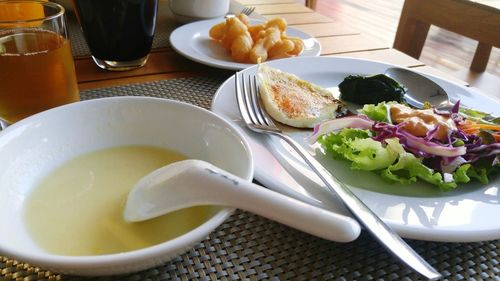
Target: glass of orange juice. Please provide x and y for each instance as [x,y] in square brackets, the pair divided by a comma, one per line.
[37,71]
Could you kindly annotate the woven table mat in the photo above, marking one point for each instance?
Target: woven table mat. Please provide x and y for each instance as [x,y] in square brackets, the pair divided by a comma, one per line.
[249,247]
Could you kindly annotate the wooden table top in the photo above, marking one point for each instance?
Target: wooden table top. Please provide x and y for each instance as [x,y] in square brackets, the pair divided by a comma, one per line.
[336,38]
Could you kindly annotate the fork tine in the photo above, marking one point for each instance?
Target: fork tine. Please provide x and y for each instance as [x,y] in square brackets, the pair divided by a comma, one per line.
[244,99]
[248,93]
[240,97]
[260,112]
[255,100]
[248,10]
[250,104]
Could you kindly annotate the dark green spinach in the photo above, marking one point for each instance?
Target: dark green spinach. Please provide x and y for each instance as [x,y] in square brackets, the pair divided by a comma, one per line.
[371,89]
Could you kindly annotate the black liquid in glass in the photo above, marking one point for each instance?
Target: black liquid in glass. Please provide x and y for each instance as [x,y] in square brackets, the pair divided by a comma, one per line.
[118,30]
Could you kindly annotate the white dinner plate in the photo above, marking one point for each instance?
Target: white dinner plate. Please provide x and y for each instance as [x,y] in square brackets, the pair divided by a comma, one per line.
[419,211]
[193,42]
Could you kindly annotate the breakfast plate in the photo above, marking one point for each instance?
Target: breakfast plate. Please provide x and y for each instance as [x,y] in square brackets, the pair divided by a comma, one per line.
[416,211]
[193,42]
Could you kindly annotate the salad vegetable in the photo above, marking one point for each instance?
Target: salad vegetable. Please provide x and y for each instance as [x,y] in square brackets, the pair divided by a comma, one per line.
[371,89]
[404,145]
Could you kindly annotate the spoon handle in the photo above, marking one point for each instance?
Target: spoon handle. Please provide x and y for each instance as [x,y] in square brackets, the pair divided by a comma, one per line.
[197,183]
[236,192]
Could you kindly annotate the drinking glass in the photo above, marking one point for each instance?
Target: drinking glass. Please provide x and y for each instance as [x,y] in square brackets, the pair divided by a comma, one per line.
[37,71]
[119,33]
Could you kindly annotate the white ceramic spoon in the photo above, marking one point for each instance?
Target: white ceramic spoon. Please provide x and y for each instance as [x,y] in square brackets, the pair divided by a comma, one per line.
[194,182]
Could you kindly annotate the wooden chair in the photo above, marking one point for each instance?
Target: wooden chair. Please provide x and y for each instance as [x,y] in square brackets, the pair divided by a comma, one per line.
[468,18]
[311,4]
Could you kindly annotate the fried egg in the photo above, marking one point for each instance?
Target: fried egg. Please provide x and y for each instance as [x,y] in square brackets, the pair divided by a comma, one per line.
[296,102]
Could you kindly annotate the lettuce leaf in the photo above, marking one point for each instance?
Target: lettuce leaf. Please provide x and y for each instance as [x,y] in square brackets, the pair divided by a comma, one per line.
[484,167]
[391,160]
[481,174]
[408,168]
[378,112]
[479,116]
[369,155]
[336,143]
[357,146]
[461,174]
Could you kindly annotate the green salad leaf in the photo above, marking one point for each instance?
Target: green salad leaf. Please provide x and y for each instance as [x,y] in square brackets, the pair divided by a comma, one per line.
[377,112]
[336,143]
[484,167]
[481,174]
[479,116]
[391,161]
[473,113]
[368,155]
[357,146]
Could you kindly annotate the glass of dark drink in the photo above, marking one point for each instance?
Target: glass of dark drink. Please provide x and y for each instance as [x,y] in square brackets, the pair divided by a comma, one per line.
[119,33]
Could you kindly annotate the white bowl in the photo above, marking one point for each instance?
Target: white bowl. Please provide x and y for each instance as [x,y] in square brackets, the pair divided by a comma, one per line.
[199,9]
[34,146]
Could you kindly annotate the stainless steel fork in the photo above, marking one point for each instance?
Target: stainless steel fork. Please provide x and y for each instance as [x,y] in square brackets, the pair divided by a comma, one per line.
[257,120]
[248,10]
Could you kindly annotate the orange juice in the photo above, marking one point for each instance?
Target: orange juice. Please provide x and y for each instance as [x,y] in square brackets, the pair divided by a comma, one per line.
[22,11]
[36,73]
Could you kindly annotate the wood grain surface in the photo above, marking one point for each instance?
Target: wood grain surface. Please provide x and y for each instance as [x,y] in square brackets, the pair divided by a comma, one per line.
[336,38]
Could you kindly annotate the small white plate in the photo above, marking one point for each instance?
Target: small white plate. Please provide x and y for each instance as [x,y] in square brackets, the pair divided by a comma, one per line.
[418,211]
[193,42]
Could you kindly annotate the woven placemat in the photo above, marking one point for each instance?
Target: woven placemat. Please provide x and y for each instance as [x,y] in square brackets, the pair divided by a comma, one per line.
[249,247]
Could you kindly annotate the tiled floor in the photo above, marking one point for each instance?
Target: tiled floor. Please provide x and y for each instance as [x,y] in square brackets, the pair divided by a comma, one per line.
[444,50]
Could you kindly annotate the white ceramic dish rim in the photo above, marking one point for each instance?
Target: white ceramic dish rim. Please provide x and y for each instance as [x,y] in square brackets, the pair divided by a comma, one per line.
[222,104]
[104,264]
[181,40]
[106,261]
